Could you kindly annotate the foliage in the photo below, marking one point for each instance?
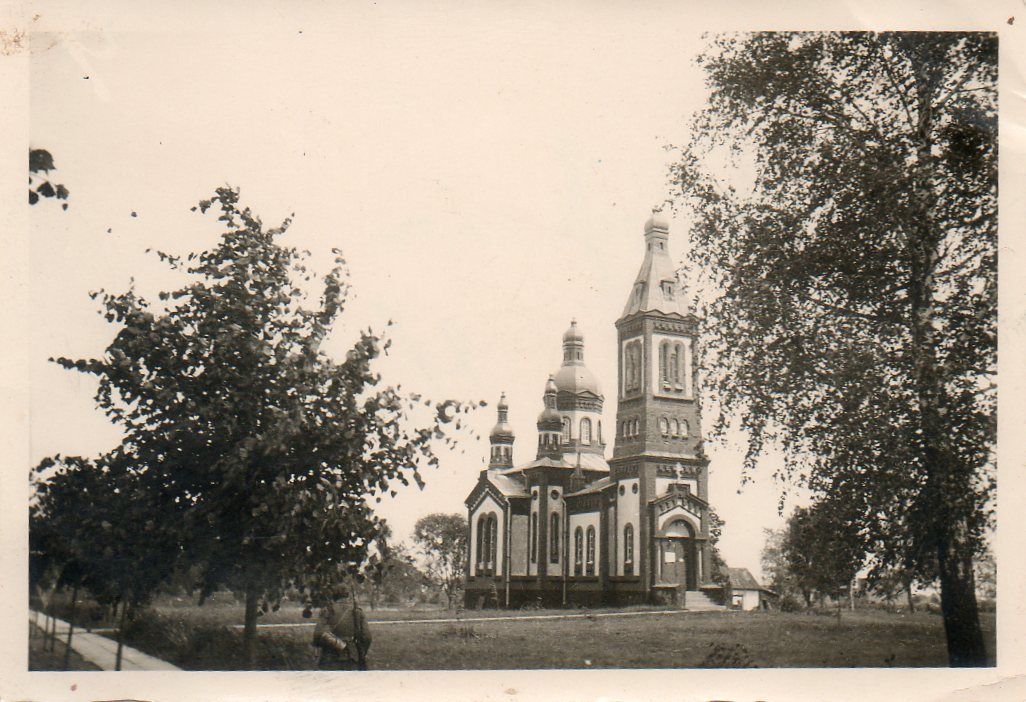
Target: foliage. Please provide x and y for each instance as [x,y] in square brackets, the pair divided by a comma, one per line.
[822,549]
[41,162]
[442,539]
[722,655]
[854,322]
[251,443]
[719,573]
[777,571]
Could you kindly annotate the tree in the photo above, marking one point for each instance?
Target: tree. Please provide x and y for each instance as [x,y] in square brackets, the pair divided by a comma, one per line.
[442,539]
[823,550]
[855,282]
[777,570]
[41,162]
[259,449]
[94,522]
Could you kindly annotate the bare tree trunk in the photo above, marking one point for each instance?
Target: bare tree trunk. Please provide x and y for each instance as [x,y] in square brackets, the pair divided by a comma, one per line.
[851,595]
[911,601]
[249,633]
[71,628]
[121,636]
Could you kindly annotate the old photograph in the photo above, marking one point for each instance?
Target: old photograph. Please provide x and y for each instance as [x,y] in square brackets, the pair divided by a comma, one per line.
[383,339]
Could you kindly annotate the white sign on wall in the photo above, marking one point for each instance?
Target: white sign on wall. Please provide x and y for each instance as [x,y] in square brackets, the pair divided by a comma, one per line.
[669,557]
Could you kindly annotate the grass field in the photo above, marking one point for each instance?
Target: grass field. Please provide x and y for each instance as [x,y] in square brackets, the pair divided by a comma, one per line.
[209,638]
[864,638]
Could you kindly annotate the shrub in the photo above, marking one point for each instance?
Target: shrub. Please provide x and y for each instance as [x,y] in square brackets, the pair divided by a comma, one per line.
[723,655]
[790,604]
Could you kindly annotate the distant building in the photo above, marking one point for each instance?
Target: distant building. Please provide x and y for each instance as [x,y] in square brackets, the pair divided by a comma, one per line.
[571,527]
[745,591]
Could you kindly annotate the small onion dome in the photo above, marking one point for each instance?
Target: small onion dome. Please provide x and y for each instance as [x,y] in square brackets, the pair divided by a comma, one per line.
[550,420]
[550,386]
[572,334]
[657,221]
[502,429]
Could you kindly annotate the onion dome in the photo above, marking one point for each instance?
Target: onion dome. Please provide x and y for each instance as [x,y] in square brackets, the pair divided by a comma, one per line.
[658,221]
[550,419]
[502,432]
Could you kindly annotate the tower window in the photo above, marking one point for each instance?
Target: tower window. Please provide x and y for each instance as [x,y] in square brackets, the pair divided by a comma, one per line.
[674,427]
[566,430]
[683,427]
[664,426]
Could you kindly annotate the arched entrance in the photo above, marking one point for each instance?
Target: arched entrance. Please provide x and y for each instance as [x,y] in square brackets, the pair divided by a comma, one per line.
[677,555]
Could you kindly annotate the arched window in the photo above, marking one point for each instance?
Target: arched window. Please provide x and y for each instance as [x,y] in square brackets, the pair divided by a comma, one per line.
[628,550]
[479,563]
[600,431]
[674,427]
[585,431]
[493,545]
[578,551]
[678,365]
[634,427]
[664,426]
[664,362]
[591,551]
[554,538]
[566,430]
[683,427]
[534,537]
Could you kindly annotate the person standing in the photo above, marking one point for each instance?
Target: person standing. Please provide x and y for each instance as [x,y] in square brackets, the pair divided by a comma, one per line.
[342,634]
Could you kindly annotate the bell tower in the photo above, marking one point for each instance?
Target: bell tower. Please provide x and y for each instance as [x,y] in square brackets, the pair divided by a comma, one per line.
[658,448]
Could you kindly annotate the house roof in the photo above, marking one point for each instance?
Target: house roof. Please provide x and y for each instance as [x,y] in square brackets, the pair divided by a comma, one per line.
[742,579]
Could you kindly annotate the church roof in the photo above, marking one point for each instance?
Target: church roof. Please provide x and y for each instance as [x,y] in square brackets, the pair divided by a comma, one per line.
[508,485]
[655,287]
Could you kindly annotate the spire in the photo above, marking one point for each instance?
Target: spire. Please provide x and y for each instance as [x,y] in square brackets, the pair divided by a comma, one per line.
[655,288]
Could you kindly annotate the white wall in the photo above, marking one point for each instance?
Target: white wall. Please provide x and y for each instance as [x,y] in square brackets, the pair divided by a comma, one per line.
[585,520]
[488,505]
[518,544]
[627,512]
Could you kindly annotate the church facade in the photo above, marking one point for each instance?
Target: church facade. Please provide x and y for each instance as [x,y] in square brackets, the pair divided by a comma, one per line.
[575,526]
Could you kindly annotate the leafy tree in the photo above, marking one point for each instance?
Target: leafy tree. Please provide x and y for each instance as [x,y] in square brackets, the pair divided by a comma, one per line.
[719,573]
[442,539]
[854,322]
[259,449]
[40,165]
[823,550]
[777,569]
[94,519]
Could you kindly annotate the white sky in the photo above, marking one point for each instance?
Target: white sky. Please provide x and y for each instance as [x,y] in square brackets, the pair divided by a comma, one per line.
[486,181]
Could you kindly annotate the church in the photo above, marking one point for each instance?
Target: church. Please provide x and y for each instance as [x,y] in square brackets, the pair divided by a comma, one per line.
[574,527]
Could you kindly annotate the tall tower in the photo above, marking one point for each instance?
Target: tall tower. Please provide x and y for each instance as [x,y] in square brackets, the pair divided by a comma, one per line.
[502,438]
[658,446]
